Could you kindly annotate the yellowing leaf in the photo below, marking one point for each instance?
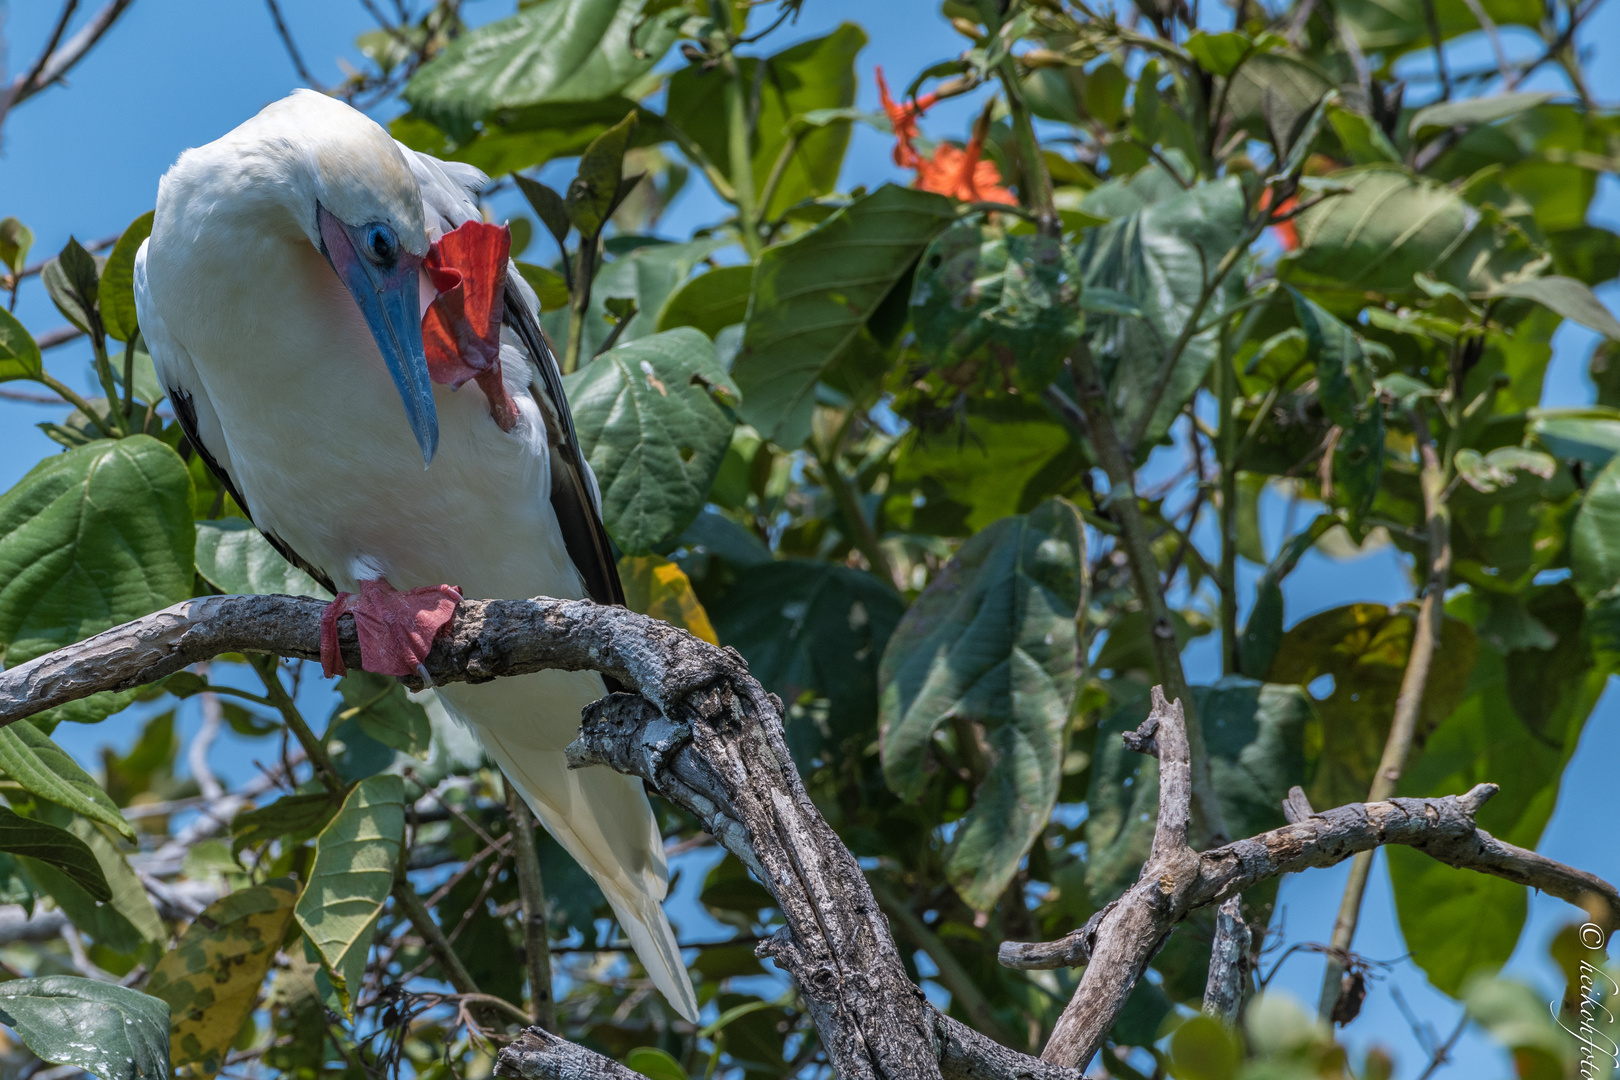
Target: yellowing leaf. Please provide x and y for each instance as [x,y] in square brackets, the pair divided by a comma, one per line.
[655,586]
[355,857]
[212,978]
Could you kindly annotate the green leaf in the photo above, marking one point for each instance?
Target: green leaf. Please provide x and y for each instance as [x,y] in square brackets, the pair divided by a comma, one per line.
[56,847]
[72,281]
[812,626]
[1158,256]
[1274,96]
[594,191]
[29,757]
[550,287]
[19,355]
[212,978]
[90,539]
[1594,545]
[117,290]
[106,1030]
[1473,111]
[291,819]
[1255,734]
[711,301]
[548,204]
[655,1064]
[355,860]
[550,53]
[649,424]
[813,295]
[1566,296]
[1361,136]
[1219,54]
[15,240]
[235,558]
[378,703]
[1203,1048]
[991,645]
[1397,26]
[800,82]
[1588,435]
[979,292]
[1364,647]
[1393,225]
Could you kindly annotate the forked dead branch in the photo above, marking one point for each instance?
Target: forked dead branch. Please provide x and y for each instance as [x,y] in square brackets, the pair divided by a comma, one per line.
[698,727]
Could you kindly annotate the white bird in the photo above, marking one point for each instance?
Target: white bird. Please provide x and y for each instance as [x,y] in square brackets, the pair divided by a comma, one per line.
[283,294]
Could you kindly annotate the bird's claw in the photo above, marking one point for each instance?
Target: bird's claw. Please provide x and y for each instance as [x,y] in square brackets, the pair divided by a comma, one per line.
[396,629]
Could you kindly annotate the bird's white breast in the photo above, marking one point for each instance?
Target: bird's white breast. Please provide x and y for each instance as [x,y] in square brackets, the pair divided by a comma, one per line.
[318,437]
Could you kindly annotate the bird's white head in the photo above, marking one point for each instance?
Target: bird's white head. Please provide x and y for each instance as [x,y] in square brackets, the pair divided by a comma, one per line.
[311,165]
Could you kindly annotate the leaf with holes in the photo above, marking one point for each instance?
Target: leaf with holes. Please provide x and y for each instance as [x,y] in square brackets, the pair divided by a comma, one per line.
[653,432]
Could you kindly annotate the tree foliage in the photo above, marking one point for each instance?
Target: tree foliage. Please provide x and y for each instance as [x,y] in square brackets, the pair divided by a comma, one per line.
[855,435]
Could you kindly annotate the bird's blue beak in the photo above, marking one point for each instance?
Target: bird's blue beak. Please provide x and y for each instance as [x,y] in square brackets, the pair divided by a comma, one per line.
[388,296]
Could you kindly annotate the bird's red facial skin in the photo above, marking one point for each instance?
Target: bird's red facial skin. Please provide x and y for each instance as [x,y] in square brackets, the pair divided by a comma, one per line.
[461,331]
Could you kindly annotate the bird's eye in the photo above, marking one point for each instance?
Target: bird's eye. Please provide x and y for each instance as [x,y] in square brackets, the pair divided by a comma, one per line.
[381,244]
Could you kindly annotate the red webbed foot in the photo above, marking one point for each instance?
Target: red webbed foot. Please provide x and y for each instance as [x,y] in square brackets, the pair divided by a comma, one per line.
[396,628]
[461,329]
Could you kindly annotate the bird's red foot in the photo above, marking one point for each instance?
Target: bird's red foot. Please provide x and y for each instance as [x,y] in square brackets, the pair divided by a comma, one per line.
[396,628]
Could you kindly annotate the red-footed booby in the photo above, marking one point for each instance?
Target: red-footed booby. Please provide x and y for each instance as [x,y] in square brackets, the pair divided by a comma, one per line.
[307,276]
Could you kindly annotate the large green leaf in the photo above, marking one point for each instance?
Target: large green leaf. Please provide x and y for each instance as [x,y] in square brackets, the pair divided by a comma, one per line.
[812,626]
[1255,735]
[90,539]
[1521,719]
[1392,225]
[991,644]
[813,295]
[1364,647]
[355,860]
[979,293]
[117,291]
[1160,256]
[653,432]
[552,52]
[129,897]
[108,1031]
[212,978]
[1392,27]
[56,847]
[235,557]
[1473,111]
[291,818]
[813,75]
[1594,546]
[1590,436]
[29,757]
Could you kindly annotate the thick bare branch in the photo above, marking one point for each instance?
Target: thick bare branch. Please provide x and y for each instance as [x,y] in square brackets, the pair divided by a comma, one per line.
[1131,929]
[537,1054]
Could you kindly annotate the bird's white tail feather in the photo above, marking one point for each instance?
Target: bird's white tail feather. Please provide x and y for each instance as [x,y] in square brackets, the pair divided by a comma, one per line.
[600,817]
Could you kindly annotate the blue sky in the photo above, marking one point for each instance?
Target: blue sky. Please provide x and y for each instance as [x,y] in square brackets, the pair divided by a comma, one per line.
[85,160]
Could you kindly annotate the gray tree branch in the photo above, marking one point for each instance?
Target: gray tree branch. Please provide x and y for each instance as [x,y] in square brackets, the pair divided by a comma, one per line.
[701,730]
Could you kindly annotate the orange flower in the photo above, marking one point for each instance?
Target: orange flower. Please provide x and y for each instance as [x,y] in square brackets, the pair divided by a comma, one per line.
[903,118]
[1285,231]
[959,173]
